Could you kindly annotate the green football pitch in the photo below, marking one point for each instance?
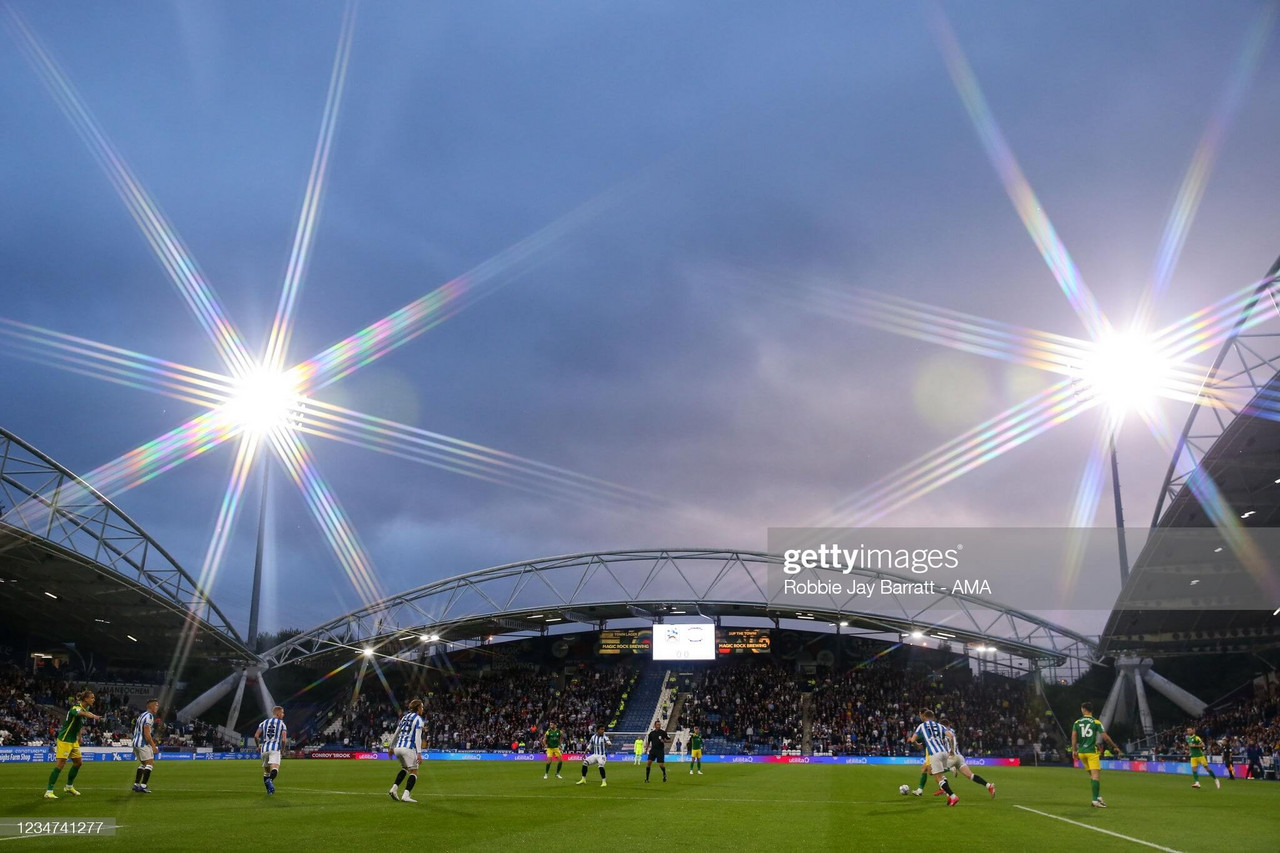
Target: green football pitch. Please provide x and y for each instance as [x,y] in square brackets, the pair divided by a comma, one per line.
[495,806]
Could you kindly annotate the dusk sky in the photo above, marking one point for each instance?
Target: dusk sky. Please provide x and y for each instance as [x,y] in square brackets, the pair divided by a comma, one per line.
[776,141]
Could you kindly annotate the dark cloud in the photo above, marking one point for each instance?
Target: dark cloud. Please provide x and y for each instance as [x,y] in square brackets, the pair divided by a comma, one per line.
[815,140]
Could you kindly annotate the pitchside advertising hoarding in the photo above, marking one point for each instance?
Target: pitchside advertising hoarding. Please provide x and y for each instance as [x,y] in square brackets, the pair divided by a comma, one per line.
[27,754]
[914,761]
[36,754]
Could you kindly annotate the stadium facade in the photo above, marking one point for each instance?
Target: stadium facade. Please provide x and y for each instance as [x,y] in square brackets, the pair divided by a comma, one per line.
[1225,474]
[76,569]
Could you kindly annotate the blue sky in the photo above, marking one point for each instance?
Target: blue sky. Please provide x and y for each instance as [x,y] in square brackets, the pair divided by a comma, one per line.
[803,139]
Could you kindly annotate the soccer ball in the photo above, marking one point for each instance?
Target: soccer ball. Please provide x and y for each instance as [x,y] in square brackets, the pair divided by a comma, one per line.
[904,789]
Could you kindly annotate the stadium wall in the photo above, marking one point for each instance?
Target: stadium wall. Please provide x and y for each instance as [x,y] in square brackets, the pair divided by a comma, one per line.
[623,757]
[36,754]
[33,754]
[1180,767]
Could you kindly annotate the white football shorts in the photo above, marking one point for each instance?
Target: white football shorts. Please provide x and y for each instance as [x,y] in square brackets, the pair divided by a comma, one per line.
[407,756]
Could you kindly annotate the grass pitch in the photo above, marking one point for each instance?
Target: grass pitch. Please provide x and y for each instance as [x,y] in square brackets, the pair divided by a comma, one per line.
[473,806]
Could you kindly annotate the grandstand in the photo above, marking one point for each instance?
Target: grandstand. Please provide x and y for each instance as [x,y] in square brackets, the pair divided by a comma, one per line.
[1202,598]
[497,653]
[78,573]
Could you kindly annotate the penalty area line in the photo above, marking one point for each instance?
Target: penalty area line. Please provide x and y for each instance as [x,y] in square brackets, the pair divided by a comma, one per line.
[1099,829]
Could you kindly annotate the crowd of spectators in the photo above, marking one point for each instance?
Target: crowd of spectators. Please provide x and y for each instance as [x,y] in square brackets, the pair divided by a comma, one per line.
[492,710]
[33,706]
[872,710]
[1252,725]
[756,703]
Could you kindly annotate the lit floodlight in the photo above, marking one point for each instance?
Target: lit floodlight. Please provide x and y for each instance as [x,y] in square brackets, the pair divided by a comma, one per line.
[917,635]
[1126,373]
[368,653]
[263,401]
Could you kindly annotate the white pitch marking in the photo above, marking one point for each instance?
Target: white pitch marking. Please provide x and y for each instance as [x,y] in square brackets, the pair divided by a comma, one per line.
[1099,829]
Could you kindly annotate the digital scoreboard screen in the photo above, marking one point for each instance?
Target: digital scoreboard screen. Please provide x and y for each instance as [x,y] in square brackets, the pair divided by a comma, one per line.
[684,642]
[737,641]
[625,641]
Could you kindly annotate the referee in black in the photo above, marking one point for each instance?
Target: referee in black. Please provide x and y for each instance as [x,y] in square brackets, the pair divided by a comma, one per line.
[658,740]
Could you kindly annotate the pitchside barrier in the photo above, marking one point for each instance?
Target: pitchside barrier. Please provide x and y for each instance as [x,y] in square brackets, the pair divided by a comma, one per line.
[1180,767]
[34,754]
[628,757]
[26,754]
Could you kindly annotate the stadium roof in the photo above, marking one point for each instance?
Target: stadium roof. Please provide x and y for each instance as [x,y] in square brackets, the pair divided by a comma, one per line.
[1235,452]
[77,570]
[596,589]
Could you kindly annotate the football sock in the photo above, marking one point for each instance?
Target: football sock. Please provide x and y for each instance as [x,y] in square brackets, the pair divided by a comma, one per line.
[664,771]
[1095,786]
[924,777]
[413,780]
[137,777]
[53,777]
[146,776]
[1195,774]
[400,778]
[559,764]
[601,771]
[979,779]
[1209,770]
[647,768]
[944,785]
[71,777]
[546,769]
[584,771]
[274,771]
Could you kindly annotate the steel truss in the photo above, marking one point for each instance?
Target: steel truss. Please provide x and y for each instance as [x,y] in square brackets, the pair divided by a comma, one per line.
[597,588]
[43,499]
[1247,361]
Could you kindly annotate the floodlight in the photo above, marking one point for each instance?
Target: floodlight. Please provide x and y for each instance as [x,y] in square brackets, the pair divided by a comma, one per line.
[1126,372]
[263,401]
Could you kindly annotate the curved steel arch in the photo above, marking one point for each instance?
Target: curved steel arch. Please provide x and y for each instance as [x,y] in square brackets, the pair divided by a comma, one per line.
[594,588]
[1237,368]
[46,500]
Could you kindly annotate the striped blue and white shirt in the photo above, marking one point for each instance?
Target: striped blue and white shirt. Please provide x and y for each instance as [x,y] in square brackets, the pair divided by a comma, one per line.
[273,732]
[146,718]
[598,745]
[934,735]
[409,732]
[953,743]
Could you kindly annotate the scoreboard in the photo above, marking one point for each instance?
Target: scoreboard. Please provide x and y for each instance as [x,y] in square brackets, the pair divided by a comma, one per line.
[737,641]
[626,641]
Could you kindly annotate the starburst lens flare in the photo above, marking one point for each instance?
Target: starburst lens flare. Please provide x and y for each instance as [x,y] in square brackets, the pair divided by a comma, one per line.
[1126,373]
[263,401]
